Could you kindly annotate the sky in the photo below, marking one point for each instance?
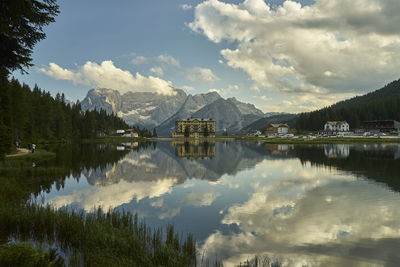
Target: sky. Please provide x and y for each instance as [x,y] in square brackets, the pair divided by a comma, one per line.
[282,56]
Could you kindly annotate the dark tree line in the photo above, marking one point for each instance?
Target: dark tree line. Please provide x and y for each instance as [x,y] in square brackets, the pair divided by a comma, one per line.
[382,104]
[21,27]
[34,115]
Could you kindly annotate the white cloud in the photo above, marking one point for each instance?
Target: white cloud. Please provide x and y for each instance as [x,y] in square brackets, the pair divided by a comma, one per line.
[203,75]
[226,92]
[106,75]
[157,70]
[330,48]
[201,198]
[114,195]
[186,6]
[138,60]
[188,88]
[262,97]
[169,60]
[214,91]
[313,221]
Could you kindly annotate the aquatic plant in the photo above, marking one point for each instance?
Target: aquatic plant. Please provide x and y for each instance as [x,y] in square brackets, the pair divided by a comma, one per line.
[25,255]
[99,238]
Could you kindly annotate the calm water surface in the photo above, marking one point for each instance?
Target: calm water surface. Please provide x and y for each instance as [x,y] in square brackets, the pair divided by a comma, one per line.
[302,205]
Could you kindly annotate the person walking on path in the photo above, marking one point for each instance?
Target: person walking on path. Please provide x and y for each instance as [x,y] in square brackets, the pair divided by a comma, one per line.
[33,148]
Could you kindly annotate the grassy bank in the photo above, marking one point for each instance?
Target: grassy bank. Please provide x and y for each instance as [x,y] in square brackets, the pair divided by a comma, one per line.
[27,164]
[113,139]
[84,239]
[333,140]
[39,155]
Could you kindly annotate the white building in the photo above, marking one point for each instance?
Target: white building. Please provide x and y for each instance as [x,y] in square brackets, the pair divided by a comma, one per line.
[131,133]
[120,132]
[255,133]
[277,129]
[337,126]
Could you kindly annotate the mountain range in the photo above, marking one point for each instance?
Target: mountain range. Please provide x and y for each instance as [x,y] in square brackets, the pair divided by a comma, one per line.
[152,110]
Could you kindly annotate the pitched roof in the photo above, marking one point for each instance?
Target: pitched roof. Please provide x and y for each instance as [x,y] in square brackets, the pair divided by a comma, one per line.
[336,122]
[276,125]
[199,119]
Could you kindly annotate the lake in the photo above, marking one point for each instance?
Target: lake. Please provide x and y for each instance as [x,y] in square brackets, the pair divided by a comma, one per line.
[314,205]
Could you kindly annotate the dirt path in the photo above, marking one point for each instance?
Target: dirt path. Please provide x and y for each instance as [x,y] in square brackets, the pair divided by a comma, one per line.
[21,151]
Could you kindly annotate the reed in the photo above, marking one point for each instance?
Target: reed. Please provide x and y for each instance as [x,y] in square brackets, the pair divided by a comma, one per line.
[100,238]
[24,254]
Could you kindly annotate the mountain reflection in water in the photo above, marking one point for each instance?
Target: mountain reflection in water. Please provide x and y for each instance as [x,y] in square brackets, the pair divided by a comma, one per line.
[318,205]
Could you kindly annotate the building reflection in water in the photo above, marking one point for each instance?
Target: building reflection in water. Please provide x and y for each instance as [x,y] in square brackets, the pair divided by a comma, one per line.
[379,151]
[194,149]
[340,151]
[279,149]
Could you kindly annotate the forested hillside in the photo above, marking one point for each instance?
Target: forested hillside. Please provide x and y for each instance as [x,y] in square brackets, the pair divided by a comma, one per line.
[34,115]
[262,123]
[381,104]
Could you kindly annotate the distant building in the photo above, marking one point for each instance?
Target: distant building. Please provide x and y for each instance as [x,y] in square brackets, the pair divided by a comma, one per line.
[336,126]
[120,132]
[254,133]
[277,129]
[131,133]
[194,128]
[384,126]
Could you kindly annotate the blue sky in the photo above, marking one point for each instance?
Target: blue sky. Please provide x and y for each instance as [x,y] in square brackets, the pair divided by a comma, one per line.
[279,55]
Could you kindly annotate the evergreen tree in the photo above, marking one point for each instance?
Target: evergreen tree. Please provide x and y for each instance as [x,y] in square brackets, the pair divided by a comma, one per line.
[34,115]
[25,20]
[382,104]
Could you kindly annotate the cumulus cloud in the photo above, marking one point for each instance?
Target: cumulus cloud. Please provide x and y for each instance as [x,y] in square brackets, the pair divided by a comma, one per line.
[114,195]
[169,60]
[330,47]
[203,75]
[313,219]
[106,75]
[226,92]
[186,6]
[201,198]
[188,88]
[138,60]
[157,70]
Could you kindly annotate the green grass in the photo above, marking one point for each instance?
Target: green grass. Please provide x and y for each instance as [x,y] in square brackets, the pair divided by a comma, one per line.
[26,164]
[113,139]
[332,140]
[25,255]
[39,155]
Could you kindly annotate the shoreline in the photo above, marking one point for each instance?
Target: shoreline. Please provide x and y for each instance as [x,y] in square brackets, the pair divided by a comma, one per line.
[324,140]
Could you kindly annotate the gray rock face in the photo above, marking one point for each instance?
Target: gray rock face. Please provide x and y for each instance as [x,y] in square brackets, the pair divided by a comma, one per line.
[150,109]
[151,165]
[136,108]
[226,115]
[106,99]
[190,106]
[246,108]
[154,110]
